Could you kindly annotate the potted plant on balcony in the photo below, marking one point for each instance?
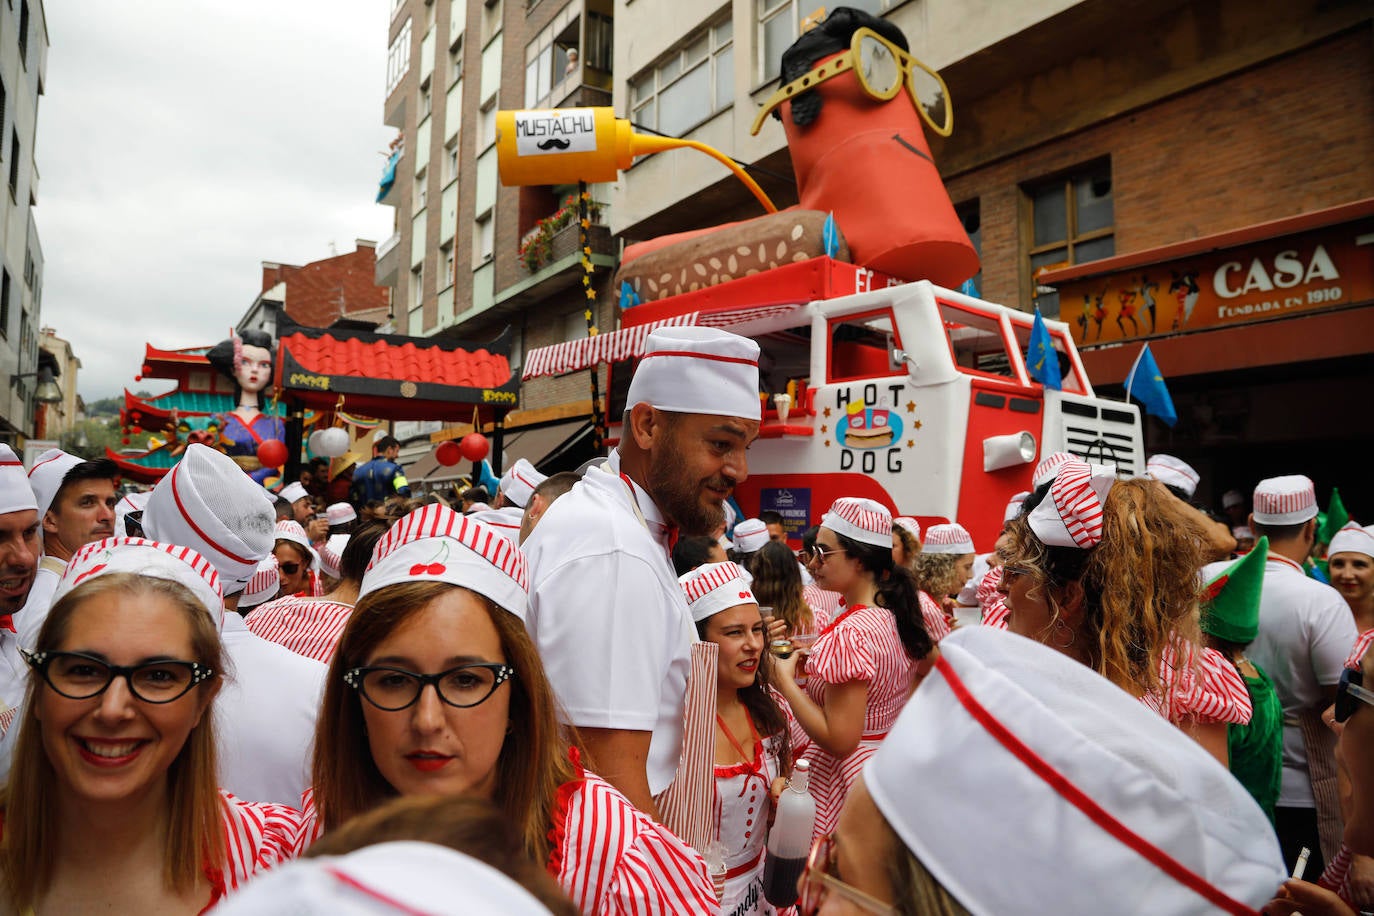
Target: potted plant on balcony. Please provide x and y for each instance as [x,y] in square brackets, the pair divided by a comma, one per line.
[537,248]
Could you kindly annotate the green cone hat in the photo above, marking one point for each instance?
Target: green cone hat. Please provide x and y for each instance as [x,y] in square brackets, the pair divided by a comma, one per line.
[1230,608]
[1335,519]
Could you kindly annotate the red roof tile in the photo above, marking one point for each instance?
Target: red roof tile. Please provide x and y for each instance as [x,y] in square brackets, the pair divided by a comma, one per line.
[404,362]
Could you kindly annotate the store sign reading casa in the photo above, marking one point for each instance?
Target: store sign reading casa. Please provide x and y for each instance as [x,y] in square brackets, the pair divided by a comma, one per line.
[1292,275]
[868,427]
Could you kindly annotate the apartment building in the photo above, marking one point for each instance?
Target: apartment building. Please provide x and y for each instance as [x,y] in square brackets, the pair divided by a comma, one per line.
[23,64]
[56,419]
[1086,132]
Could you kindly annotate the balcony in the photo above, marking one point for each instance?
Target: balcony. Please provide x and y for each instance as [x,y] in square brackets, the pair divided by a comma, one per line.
[560,269]
[388,261]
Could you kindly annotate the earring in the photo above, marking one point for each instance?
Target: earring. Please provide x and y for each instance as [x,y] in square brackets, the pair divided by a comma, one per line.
[1061,625]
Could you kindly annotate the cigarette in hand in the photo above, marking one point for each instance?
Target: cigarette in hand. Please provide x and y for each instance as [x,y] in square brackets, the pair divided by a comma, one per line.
[1301,867]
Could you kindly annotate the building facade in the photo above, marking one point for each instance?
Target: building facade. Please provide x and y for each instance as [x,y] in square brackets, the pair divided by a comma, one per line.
[55,420]
[23,64]
[1071,146]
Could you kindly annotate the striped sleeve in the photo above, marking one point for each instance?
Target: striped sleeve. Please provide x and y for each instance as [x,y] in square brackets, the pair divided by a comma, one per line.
[613,860]
[257,836]
[1204,687]
[843,655]
[1362,644]
[934,616]
[306,626]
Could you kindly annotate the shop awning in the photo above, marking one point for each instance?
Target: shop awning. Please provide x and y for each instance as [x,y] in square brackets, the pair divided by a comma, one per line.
[628,342]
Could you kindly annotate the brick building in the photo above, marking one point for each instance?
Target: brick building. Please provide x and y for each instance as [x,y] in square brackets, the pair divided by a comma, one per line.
[336,291]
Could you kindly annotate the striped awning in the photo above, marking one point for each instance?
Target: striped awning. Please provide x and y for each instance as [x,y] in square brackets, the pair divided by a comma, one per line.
[628,343]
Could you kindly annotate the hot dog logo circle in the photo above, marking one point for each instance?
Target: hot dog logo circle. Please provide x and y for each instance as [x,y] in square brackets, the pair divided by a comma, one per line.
[868,427]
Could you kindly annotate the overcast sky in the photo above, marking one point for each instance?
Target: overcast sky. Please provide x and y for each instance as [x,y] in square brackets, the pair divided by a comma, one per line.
[183,142]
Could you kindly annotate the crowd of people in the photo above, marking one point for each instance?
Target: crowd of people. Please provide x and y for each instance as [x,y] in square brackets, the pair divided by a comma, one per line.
[585,692]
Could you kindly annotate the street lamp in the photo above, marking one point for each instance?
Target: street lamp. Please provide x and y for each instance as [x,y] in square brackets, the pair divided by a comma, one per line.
[47,391]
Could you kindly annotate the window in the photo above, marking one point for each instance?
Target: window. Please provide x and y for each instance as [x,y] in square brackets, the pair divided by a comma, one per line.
[455,60]
[486,124]
[969,213]
[14,164]
[417,284]
[421,197]
[426,101]
[598,50]
[551,60]
[24,32]
[689,85]
[781,21]
[450,168]
[575,324]
[5,293]
[3,99]
[445,278]
[483,240]
[861,346]
[1070,222]
[398,58]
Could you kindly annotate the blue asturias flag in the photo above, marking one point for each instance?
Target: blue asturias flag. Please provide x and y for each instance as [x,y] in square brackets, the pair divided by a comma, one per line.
[1042,362]
[1146,385]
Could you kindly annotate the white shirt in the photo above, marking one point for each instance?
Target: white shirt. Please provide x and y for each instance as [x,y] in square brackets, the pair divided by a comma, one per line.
[1305,632]
[608,616]
[36,607]
[265,717]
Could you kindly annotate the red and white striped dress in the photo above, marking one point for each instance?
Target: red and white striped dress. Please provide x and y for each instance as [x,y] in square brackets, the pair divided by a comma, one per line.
[257,836]
[861,644]
[741,812]
[993,602]
[934,616]
[824,604]
[1362,644]
[307,626]
[614,860]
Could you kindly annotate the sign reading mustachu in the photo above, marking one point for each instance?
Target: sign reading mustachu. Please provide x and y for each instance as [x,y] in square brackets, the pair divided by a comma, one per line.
[543,133]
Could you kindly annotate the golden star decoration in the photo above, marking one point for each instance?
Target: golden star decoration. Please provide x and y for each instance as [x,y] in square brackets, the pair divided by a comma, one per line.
[910,406]
[827,411]
[917,424]
[827,443]
[824,429]
[911,443]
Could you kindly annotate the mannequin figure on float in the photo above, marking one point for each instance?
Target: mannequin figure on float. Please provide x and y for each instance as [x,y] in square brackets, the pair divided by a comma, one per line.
[247,360]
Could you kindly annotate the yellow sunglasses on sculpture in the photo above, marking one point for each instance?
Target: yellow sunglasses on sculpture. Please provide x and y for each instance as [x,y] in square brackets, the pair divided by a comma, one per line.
[883,69]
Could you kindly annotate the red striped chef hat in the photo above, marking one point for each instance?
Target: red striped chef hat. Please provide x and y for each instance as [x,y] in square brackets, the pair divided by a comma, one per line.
[505,522]
[206,502]
[1071,514]
[1173,472]
[146,558]
[264,585]
[46,476]
[1014,506]
[1352,539]
[1089,778]
[698,370]
[715,587]
[288,529]
[750,535]
[1050,466]
[518,483]
[951,538]
[15,493]
[910,524]
[1285,500]
[864,520]
[340,514]
[434,543]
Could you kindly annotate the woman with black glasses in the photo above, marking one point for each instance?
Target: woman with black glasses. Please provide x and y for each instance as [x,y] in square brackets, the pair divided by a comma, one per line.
[436,689]
[111,804]
[865,661]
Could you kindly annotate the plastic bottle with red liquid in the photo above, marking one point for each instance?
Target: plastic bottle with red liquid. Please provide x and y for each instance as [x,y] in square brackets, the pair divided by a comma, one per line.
[789,842]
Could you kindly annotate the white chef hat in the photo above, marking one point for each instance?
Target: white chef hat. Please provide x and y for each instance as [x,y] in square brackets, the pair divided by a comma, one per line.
[436,544]
[1087,777]
[910,524]
[1014,505]
[1232,498]
[864,520]
[504,521]
[386,879]
[698,370]
[264,585]
[1173,472]
[340,514]
[1352,539]
[293,491]
[332,554]
[15,493]
[208,503]
[750,535]
[715,587]
[289,529]
[133,501]
[1285,500]
[518,483]
[146,558]
[1070,515]
[951,538]
[1048,467]
[46,476]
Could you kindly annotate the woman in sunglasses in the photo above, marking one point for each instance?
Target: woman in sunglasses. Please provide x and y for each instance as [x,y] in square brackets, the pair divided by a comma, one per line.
[112,804]
[295,561]
[437,689]
[865,660]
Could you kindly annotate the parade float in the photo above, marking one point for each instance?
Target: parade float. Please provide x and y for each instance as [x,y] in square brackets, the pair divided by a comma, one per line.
[880,380]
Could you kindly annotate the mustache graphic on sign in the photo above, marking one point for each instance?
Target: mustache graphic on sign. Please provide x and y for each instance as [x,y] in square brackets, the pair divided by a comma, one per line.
[554,143]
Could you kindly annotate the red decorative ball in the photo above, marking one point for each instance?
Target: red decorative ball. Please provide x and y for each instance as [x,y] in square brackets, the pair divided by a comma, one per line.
[448,453]
[272,453]
[125,440]
[474,446]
